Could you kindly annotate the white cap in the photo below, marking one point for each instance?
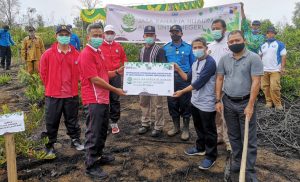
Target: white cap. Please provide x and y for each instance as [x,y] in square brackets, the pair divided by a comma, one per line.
[109,28]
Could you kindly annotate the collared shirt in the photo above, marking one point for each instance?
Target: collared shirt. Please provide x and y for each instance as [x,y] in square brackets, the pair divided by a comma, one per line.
[91,64]
[238,73]
[5,38]
[181,54]
[32,48]
[254,41]
[271,53]
[218,49]
[203,79]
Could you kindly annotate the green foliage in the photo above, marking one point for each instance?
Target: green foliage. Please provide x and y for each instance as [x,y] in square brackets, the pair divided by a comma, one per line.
[296,16]
[264,25]
[34,91]
[25,145]
[132,51]
[4,78]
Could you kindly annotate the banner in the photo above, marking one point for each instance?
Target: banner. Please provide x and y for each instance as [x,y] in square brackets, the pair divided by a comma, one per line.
[148,79]
[129,23]
[92,15]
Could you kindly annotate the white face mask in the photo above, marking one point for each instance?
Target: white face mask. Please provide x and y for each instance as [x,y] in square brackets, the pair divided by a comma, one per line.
[109,38]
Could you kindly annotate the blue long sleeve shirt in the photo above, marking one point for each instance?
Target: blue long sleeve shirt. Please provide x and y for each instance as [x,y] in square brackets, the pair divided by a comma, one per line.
[75,41]
[5,38]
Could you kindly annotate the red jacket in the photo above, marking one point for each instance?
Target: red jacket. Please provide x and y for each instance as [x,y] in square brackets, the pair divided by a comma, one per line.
[51,71]
[114,55]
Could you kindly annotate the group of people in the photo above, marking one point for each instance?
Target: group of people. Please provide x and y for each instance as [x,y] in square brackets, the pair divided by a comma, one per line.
[216,84]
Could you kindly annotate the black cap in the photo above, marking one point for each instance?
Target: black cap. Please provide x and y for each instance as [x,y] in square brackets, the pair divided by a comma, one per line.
[30,28]
[271,29]
[6,27]
[149,29]
[175,27]
[256,22]
[62,27]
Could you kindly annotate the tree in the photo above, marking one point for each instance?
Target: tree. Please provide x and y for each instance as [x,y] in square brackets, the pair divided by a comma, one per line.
[8,10]
[296,16]
[264,25]
[40,20]
[90,4]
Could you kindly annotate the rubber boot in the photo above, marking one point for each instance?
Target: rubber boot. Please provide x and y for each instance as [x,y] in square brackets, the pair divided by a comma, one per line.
[176,128]
[185,135]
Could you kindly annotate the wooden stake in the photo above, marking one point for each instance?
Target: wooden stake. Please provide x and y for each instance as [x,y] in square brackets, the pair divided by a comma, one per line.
[245,150]
[11,157]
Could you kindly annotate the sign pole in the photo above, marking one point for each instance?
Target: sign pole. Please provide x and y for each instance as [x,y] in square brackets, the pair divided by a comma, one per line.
[11,157]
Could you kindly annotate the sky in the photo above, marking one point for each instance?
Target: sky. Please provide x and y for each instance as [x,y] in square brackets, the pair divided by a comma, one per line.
[64,11]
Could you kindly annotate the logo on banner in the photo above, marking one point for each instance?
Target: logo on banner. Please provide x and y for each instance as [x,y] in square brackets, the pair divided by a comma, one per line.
[129,21]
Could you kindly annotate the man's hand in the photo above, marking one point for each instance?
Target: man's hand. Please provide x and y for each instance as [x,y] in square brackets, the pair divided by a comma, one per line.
[178,93]
[242,5]
[282,71]
[176,67]
[120,92]
[249,111]
[219,107]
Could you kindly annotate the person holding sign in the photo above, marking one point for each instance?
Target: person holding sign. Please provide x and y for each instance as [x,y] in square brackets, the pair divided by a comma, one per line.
[217,49]
[203,79]
[115,57]
[240,72]
[154,54]
[95,90]
[181,53]
[60,76]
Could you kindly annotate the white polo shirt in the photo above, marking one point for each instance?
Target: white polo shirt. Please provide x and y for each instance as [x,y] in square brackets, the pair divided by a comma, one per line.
[218,49]
[271,53]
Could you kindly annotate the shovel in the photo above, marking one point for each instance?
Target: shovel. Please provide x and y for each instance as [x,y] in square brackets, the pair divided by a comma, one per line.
[245,149]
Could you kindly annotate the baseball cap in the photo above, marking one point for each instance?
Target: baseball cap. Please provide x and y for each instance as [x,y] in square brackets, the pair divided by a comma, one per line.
[256,22]
[109,28]
[149,29]
[60,28]
[175,28]
[271,29]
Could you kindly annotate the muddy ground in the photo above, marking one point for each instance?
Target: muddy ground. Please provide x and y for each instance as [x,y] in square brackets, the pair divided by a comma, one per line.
[138,158]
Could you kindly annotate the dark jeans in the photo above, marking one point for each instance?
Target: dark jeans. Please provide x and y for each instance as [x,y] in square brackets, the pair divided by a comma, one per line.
[206,130]
[180,106]
[235,120]
[114,107]
[96,132]
[5,56]
[55,107]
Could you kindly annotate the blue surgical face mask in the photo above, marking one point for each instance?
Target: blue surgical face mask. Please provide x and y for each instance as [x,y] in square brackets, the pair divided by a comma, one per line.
[198,53]
[271,39]
[217,34]
[96,42]
[149,40]
[63,39]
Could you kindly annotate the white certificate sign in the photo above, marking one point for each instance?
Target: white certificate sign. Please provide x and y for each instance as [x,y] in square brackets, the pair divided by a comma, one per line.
[148,79]
[12,123]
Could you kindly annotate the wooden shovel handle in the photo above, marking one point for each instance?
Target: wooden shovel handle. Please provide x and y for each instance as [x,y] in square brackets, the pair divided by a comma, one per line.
[245,149]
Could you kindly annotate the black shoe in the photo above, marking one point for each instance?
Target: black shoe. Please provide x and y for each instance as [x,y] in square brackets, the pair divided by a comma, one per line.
[7,68]
[50,153]
[156,133]
[77,144]
[105,159]
[96,173]
[143,130]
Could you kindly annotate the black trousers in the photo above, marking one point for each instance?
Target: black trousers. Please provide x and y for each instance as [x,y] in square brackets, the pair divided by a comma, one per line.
[180,106]
[96,132]
[114,107]
[55,107]
[5,56]
[206,130]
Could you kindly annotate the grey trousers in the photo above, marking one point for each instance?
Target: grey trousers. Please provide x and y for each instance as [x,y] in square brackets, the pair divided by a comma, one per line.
[235,120]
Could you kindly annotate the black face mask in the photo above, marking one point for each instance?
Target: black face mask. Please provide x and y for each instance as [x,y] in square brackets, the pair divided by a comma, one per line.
[175,37]
[236,48]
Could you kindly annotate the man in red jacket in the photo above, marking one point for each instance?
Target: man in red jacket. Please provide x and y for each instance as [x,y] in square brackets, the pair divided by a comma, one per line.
[95,90]
[114,56]
[60,76]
